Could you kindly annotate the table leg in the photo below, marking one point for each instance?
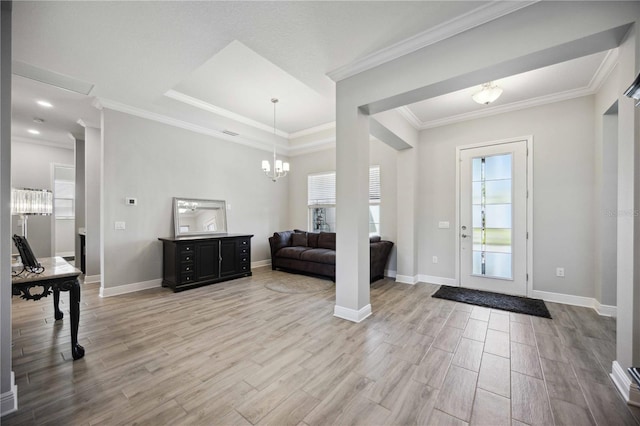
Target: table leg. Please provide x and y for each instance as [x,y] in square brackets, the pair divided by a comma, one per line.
[74,300]
[56,305]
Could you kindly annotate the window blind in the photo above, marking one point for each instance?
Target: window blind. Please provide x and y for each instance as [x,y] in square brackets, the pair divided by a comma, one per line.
[322,187]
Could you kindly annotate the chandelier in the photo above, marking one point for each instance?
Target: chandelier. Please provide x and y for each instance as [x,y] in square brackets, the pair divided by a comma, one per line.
[278,169]
[489,93]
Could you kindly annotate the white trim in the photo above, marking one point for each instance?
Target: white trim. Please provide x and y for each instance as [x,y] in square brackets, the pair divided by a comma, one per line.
[605,310]
[529,211]
[92,279]
[261,263]
[607,65]
[390,273]
[407,279]
[314,146]
[476,17]
[66,253]
[312,130]
[514,106]
[129,288]
[352,314]
[9,399]
[626,387]
[206,106]
[408,115]
[430,279]
[569,299]
[102,103]
[62,145]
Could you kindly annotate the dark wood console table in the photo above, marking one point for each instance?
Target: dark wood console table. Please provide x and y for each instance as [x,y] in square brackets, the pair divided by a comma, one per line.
[58,276]
[195,261]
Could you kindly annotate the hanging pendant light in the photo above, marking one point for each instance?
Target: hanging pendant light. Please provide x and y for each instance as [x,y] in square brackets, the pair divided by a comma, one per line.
[278,169]
[489,93]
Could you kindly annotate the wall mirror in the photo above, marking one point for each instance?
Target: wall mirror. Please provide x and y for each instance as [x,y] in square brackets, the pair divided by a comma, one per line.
[199,217]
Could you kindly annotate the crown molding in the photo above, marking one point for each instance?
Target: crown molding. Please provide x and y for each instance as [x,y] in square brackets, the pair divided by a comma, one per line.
[102,103]
[314,146]
[198,103]
[71,137]
[62,145]
[474,18]
[607,65]
[408,115]
[312,130]
[514,106]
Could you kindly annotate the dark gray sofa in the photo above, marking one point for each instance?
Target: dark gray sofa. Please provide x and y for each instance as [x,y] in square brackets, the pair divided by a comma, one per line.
[315,253]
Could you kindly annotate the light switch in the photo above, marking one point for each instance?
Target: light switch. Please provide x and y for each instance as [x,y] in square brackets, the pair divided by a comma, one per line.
[120,226]
[443,225]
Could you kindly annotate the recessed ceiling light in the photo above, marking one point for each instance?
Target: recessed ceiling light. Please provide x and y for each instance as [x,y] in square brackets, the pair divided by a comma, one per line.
[45,104]
[38,120]
[33,132]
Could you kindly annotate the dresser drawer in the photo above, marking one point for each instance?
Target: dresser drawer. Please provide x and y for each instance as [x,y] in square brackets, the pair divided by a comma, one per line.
[245,267]
[244,242]
[244,258]
[186,278]
[244,250]
[187,248]
[186,268]
[186,257]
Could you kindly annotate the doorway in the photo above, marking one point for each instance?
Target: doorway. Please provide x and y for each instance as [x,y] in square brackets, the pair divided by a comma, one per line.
[494,217]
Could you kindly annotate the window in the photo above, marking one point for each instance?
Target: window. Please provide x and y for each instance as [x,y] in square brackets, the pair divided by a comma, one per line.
[64,192]
[321,191]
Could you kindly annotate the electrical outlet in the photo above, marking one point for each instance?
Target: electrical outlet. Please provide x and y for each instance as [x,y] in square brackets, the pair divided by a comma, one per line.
[560,272]
[119,226]
[434,259]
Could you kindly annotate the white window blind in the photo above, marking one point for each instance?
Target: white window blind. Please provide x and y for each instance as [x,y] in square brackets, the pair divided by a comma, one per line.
[322,187]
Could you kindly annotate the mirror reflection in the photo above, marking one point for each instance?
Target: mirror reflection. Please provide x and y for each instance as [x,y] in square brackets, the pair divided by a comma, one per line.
[199,217]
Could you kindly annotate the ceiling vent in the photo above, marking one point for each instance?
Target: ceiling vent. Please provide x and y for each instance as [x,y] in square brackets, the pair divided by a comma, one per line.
[230,133]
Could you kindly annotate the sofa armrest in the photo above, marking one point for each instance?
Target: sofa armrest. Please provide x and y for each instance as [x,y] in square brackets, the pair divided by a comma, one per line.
[279,240]
[379,252]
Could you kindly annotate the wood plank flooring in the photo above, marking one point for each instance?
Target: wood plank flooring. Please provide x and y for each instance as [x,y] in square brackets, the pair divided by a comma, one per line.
[237,353]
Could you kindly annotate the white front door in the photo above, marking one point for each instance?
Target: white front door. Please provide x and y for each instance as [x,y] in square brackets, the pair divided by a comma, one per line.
[493,218]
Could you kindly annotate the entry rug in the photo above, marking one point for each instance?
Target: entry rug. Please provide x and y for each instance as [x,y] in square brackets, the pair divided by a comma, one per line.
[521,305]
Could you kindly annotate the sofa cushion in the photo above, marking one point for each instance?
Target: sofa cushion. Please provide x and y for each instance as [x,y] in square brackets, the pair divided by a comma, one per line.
[299,239]
[374,238]
[319,255]
[312,239]
[292,252]
[327,240]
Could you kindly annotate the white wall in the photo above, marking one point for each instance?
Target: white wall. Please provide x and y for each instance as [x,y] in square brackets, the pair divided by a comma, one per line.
[154,162]
[31,168]
[323,161]
[92,183]
[563,209]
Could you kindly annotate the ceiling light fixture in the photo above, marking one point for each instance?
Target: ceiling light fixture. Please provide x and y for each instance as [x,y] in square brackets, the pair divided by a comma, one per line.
[44,104]
[33,131]
[489,93]
[38,120]
[280,169]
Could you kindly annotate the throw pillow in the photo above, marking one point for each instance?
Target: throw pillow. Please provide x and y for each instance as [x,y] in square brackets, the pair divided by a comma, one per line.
[299,239]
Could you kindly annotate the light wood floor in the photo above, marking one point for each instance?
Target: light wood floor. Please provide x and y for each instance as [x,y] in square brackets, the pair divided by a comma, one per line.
[239,353]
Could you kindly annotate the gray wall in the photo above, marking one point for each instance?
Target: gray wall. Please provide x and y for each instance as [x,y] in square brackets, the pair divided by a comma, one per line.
[36,173]
[323,161]
[80,198]
[6,382]
[563,182]
[92,183]
[154,162]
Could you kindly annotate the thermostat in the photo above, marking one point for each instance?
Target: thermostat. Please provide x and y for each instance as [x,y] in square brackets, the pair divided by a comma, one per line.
[131,201]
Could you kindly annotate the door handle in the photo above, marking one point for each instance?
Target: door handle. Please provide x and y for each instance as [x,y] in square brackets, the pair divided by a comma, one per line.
[465,235]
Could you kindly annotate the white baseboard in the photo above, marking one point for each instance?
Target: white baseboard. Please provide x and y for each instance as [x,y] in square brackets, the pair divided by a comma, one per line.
[569,299]
[626,387]
[129,288]
[390,273]
[352,314]
[92,279]
[407,279]
[438,280]
[9,399]
[66,253]
[261,263]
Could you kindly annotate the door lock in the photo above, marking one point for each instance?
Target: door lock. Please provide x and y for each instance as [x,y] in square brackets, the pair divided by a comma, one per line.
[464,235]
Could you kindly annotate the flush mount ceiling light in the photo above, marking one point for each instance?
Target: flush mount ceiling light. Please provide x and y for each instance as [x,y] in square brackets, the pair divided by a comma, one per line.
[280,169]
[44,104]
[489,93]
[33,131]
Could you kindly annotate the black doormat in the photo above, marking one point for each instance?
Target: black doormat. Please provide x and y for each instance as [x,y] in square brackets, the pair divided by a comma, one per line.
[521,305]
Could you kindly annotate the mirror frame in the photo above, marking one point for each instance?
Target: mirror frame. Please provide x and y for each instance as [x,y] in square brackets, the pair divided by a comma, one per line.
[176,216]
